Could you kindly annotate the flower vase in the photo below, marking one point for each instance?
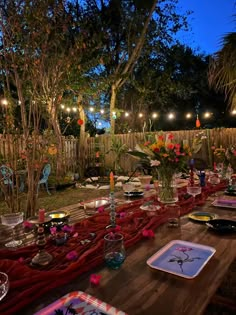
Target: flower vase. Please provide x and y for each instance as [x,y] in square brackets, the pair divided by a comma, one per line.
[167,190]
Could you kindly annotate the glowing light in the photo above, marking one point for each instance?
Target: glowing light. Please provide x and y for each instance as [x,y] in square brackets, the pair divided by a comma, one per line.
[102,111]
[154,115]
[91,109]
[4,102]
[62,106]
[171,116]
[207,115]
[188,115]
[126,114]
[68,109]
[140,115]
[99,124]
[113,113]
[74,109]
[233,112]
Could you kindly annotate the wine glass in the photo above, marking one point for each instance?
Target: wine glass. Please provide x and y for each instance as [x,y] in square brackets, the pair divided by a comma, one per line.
[128,187]
[114,251]
[194,191]
[214,180]
[4,285]
[12,219]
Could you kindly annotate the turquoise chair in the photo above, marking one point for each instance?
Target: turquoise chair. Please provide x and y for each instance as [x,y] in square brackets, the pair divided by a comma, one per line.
[44,179]
[6,174]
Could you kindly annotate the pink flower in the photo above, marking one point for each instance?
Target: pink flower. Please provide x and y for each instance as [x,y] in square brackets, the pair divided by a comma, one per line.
[176,160]
[95,279]
[170,146]
[146,143]
[67,228]
[118,228]
[148,233]
[76,234]
[111,235]
[21,260]
[27,224]
[73,255]
[170,136]
[161,138]
[183,249]
[122,214]
[101,209]
[53,230]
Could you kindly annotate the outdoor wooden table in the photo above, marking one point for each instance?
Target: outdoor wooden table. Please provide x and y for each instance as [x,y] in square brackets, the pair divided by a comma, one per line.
[137,289]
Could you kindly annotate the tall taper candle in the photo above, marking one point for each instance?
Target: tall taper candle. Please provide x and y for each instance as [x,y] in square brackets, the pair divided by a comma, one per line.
[112,184]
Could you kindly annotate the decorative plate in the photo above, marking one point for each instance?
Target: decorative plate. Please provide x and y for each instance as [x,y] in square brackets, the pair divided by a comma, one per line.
[150,207]
[224,203]
[181,258]
[78,302]
[202,216]
[134,194]
[222,225]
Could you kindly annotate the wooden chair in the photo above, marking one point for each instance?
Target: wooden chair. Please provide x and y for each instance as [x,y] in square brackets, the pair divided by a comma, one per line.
[44,179]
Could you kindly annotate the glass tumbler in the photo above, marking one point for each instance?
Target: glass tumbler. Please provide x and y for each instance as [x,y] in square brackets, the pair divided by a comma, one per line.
[4,285]
[114,251]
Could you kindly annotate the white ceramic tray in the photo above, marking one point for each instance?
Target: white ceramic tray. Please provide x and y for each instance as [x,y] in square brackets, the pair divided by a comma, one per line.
[232,205]
[181,258]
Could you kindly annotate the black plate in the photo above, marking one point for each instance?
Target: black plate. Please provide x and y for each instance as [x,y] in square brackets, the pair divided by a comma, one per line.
[230,192]
[222,225]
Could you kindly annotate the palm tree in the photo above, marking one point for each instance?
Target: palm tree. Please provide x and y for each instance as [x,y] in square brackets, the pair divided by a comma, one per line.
[222,69]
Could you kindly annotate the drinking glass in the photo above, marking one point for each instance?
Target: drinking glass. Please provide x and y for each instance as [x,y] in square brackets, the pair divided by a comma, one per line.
[194,191]
[4,285]
[12,219]
[128,187]
[114,251]
[214,180]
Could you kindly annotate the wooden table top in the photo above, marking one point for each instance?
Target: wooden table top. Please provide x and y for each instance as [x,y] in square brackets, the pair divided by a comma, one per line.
[137,289]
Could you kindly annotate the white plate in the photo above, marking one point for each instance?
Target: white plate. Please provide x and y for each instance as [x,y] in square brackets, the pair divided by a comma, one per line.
[215,203]
[150,207]
[181,258]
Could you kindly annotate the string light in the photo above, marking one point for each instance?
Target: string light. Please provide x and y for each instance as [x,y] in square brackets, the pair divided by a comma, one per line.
[140,115]
[102,111]
[62,106]
[68,109]
[74,109]
[171,116]
[207,115]
[126,114]
[154,115]
[91,109]
[188,115]
[233,112]
[4,102]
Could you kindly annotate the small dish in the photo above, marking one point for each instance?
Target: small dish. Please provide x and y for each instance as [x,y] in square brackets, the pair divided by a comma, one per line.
[224,203]
[222,225]
[202,216]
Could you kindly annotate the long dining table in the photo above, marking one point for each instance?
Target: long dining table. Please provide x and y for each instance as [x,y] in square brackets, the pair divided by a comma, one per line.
[135,288]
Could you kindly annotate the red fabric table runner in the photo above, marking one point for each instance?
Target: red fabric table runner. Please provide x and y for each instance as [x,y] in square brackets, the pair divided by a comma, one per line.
[28,284]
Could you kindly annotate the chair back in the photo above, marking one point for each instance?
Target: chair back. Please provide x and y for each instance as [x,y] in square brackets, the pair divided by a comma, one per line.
[7,174]
[46,171]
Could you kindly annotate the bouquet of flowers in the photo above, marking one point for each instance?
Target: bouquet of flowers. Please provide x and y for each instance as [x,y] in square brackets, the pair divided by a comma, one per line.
[165,157]
[219,154]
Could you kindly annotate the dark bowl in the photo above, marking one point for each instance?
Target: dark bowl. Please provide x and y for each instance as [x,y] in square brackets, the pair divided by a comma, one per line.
[222,225]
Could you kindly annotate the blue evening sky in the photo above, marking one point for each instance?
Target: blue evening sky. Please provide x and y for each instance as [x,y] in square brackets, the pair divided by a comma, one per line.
[210,20]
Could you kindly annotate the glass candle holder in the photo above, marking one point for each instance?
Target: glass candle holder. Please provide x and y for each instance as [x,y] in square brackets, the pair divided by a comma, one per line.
[114,251]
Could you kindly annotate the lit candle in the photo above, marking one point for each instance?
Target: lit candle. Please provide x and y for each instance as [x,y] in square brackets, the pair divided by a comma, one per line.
[112,185]
[41,215]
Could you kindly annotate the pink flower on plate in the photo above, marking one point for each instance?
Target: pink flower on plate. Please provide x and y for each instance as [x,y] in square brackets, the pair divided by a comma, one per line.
[73,255]
[95,279]
[101,209]
[148,233]
[183,249]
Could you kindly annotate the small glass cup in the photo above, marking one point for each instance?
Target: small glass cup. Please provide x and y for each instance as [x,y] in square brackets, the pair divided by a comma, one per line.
[114,251]
[173,212]
[4,285]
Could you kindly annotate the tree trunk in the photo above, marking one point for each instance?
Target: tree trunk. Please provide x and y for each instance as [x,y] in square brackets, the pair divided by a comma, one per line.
[112,107]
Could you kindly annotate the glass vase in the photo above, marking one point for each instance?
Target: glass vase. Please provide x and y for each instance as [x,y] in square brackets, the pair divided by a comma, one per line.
[167,188]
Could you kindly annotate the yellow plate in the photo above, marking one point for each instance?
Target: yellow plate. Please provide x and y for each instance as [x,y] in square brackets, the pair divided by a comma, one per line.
[202,216]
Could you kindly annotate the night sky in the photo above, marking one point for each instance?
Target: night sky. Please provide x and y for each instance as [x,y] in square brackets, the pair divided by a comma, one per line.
[210,20]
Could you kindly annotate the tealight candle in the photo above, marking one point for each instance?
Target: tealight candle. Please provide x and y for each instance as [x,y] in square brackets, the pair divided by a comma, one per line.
[41,215]
[112,184]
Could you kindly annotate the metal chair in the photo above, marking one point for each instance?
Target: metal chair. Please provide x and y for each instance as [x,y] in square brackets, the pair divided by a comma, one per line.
[44,179]
[6,175]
